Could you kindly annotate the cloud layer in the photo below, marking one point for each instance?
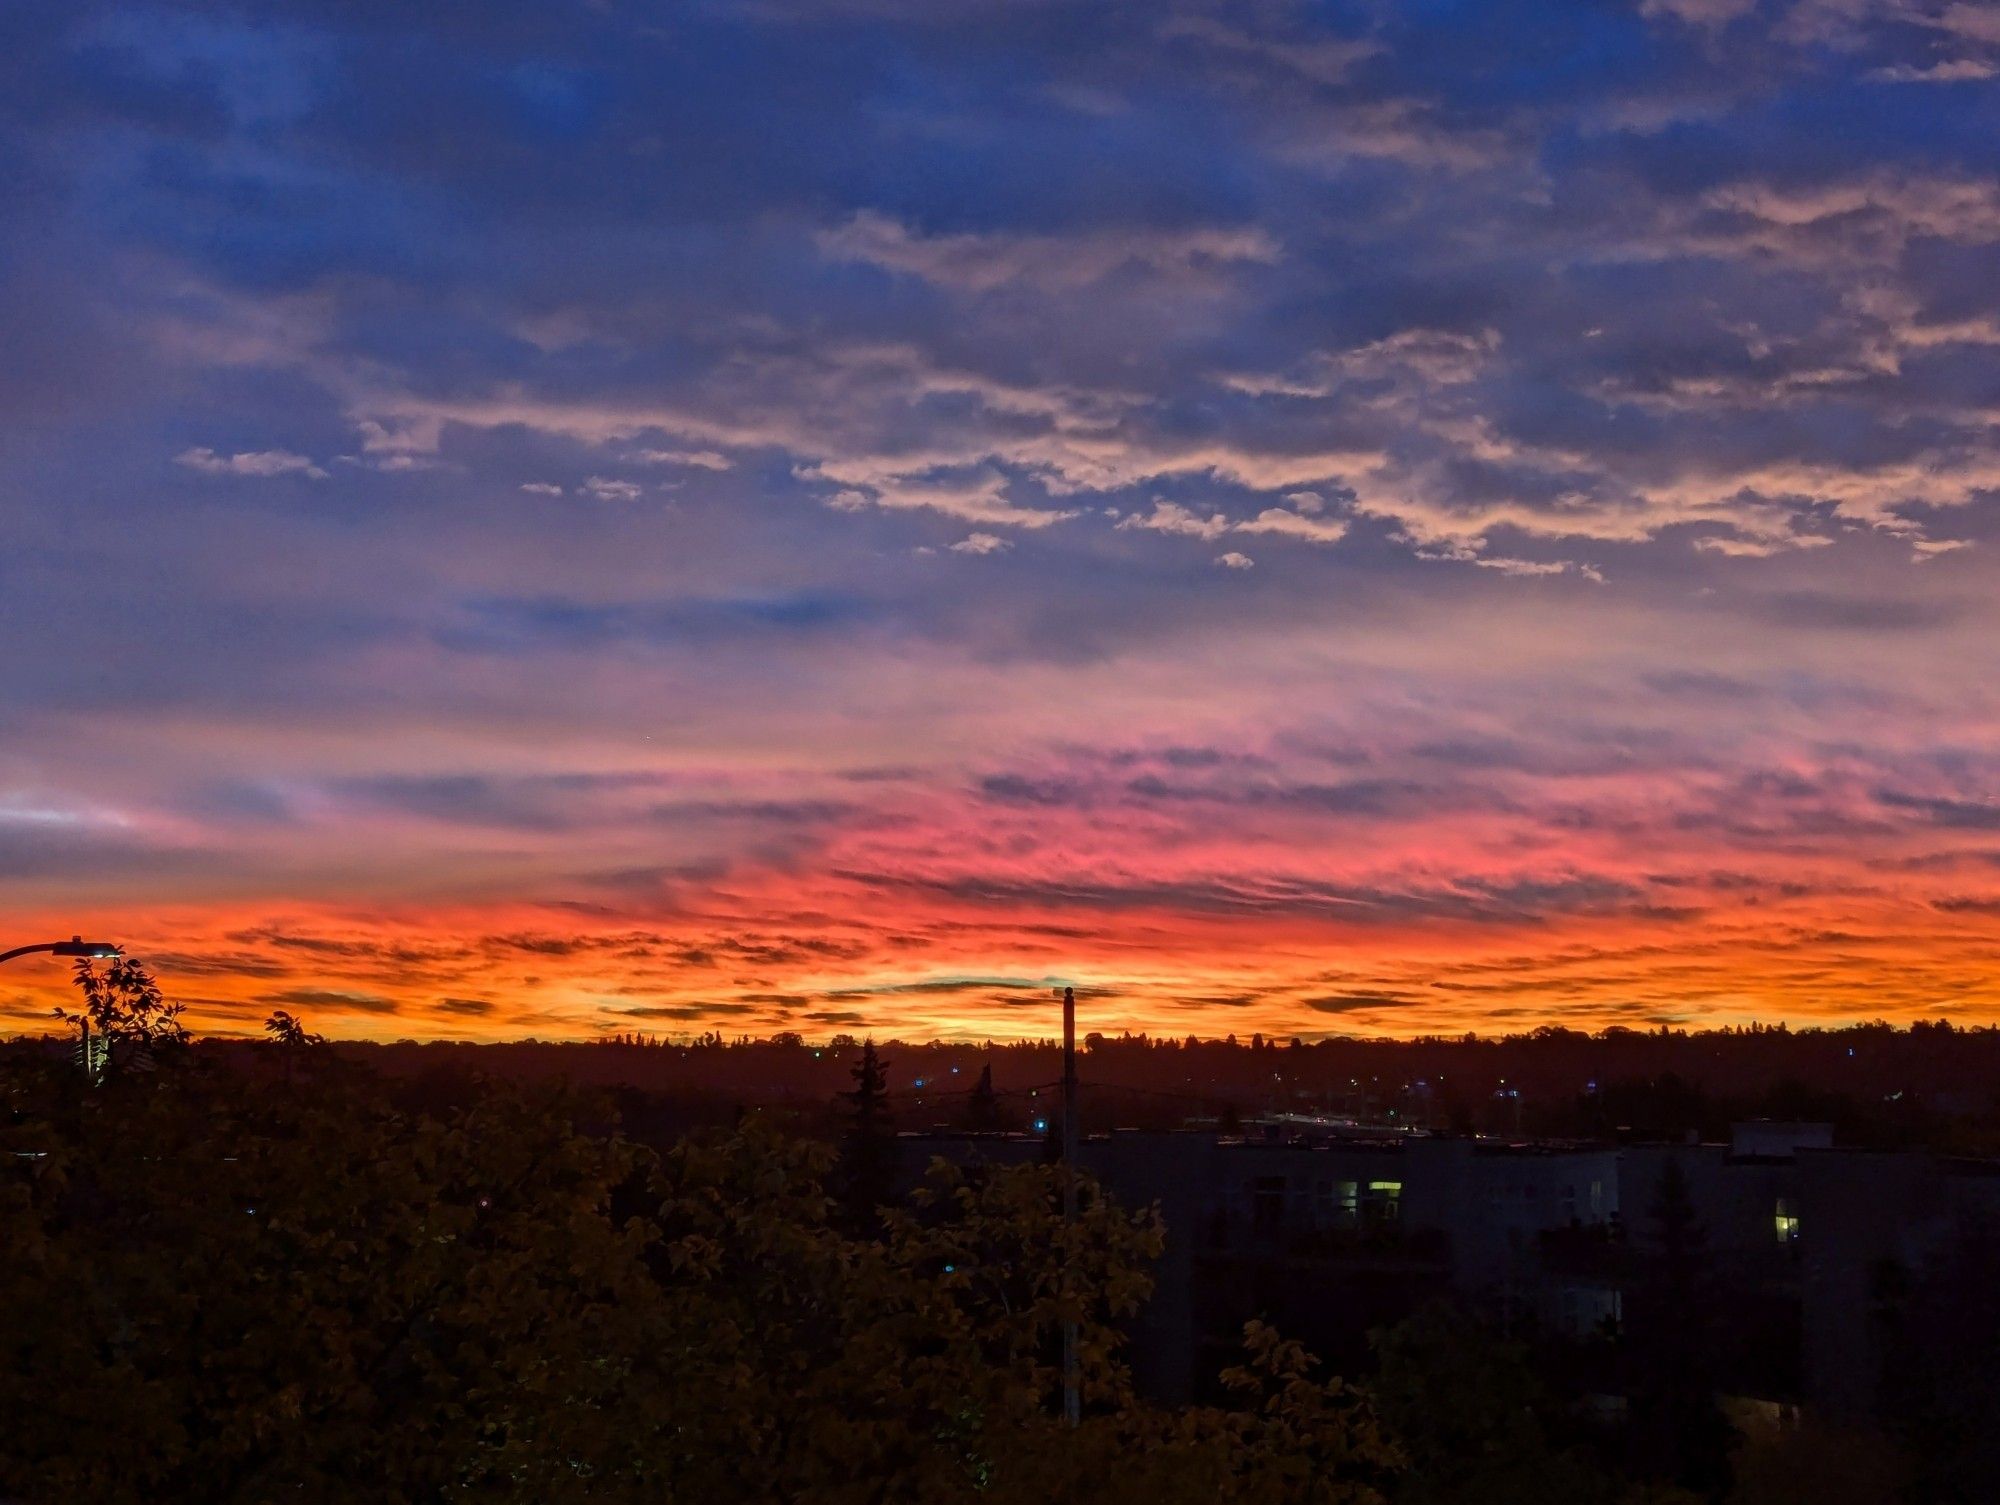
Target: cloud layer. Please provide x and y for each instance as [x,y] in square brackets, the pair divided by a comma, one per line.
[536,519]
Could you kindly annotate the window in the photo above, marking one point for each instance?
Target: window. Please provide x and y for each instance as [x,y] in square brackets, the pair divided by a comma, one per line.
[1787,1221]
[1333,1202]
[1384,1200]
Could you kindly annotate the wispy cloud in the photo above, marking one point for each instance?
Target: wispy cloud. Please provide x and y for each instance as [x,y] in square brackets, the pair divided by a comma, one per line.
[263,462]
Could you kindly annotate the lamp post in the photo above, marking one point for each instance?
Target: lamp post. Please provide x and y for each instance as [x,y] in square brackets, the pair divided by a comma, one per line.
[75,946]
[1072,1391]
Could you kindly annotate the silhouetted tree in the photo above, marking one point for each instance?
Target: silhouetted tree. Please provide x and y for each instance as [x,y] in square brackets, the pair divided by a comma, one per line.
[1472,1421]
[237,1294]
[126,1023]
[982,1107]
[1678,1430]
[1940,1330]
[868,1153]
[291,1039]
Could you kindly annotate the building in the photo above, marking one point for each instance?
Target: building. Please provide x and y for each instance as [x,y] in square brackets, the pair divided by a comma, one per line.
[1330,1230]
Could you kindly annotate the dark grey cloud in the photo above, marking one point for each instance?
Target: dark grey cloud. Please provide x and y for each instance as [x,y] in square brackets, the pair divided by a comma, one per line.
[1348,1003]
[1472,899]
[1955,814]
[338,999]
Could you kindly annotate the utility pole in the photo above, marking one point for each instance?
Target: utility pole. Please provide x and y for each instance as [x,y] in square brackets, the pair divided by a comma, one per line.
[1072,1393]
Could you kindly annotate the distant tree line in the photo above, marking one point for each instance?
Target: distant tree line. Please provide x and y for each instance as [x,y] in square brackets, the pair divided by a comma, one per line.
[1933,1085]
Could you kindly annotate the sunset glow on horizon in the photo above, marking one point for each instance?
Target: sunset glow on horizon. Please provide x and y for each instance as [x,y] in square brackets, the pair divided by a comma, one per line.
[532,520]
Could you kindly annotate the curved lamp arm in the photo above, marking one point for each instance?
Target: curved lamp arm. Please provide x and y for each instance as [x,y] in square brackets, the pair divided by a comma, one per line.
[74,946]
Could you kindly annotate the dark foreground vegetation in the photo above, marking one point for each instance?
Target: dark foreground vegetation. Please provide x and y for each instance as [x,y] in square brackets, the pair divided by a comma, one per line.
[273,1274]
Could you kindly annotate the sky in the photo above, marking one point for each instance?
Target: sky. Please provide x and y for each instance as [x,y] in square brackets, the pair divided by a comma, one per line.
[553,518]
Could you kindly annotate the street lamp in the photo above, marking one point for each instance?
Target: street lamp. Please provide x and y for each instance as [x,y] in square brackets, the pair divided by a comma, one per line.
[76,945]
[1072,1391]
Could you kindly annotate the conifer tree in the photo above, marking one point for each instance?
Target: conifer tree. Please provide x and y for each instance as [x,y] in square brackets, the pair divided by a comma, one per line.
[982,1109]
[868,1155]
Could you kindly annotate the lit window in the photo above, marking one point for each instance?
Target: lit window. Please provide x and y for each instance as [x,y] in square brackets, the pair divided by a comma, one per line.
[1787,1221]
[1384,1199]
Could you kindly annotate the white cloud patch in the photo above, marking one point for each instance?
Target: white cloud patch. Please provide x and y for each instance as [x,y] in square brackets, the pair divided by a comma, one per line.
[1292,525]
[1931,548]
[981,543]
[696,459]
[265,462]
[609,489]
[541,488]
[1235,561]
[975,495]
[1172,517]
[1950,71]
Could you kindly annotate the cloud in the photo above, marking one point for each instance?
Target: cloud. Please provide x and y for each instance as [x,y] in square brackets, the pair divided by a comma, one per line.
[980,543]
[1277,520]
[267,462]
[1347,1003]
[984,262]
[1695,308]
[696,459]
[1706,13]
[977,494]
[1947,71]
[335,1000]
[1171,517]
[1325,60]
